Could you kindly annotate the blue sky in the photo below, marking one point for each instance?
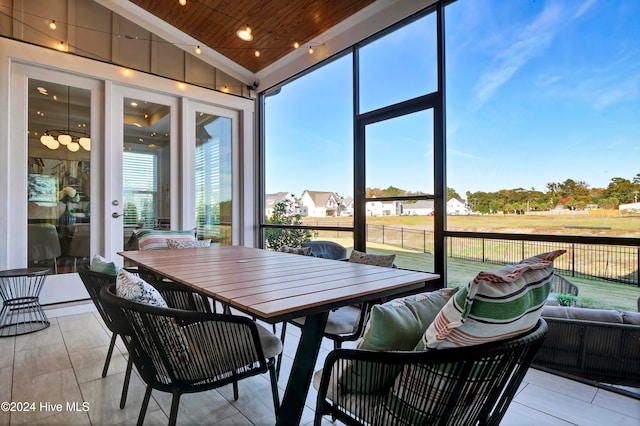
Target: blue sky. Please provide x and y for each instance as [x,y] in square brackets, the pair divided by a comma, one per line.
[537,92]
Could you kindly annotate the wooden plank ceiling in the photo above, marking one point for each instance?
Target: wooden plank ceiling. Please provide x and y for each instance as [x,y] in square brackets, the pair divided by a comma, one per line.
[275,24]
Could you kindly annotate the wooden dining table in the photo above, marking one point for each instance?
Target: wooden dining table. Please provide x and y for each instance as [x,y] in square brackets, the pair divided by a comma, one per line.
[275,287]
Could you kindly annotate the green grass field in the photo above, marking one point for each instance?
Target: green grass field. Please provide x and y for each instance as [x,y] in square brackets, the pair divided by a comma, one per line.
[593,293]
[601,224]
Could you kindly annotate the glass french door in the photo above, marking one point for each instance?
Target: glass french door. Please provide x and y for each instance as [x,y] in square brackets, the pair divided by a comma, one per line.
[142,170]
[55,176]
[162,178]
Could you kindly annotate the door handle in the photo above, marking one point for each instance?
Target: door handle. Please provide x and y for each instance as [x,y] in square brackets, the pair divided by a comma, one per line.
[116,215]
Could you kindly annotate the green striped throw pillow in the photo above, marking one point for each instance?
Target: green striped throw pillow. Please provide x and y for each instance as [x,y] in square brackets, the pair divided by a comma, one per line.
[494,305]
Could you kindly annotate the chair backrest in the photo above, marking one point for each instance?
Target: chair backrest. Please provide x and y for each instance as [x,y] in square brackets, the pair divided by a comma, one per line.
[564,285]
[326,249]
[43,242]
[177,296]
[466,385]
[94,282]
[176,349]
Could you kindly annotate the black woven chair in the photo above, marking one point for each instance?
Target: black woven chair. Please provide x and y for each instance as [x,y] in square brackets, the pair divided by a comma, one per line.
[94,282]
[176,295]
[563,285]
[326,249]
[180,351]
[344,324]
[460,386]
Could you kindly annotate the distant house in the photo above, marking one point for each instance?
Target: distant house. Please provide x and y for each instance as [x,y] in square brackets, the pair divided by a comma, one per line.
[273,199]
[632,207]
[345,208]
[318,204]
[419,208]
[383,208]
[457,207]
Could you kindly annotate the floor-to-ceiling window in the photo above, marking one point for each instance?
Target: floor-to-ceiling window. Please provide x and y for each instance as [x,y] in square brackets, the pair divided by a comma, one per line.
[542,107]
[348,148]
[398,104]
[308,157]
[543,102]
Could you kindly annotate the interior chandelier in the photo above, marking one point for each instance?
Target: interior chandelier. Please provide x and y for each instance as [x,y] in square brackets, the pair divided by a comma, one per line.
[72,139]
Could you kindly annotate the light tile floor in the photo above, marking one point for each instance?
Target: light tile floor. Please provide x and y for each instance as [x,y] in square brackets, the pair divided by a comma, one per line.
[53,377]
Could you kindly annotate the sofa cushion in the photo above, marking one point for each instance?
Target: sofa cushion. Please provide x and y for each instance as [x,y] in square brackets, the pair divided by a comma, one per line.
[632,318]
[385,260]
[586,314]
[156,239]
[494,305]
[100,264]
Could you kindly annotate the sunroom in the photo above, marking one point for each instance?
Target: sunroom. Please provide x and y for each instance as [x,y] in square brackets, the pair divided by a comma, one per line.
[457,136]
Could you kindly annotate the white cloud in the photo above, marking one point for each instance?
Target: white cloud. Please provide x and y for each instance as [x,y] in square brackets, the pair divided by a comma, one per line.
[583,8]
[463,154]
[547,80]
[528,43]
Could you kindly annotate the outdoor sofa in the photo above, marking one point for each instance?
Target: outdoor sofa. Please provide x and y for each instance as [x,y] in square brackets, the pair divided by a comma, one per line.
[597,344]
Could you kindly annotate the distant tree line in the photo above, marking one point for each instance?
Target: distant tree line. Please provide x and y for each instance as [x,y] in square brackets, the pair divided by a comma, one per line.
[571,194]
[391,191]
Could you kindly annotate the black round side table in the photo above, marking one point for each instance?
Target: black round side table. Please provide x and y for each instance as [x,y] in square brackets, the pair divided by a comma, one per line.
[21,311]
